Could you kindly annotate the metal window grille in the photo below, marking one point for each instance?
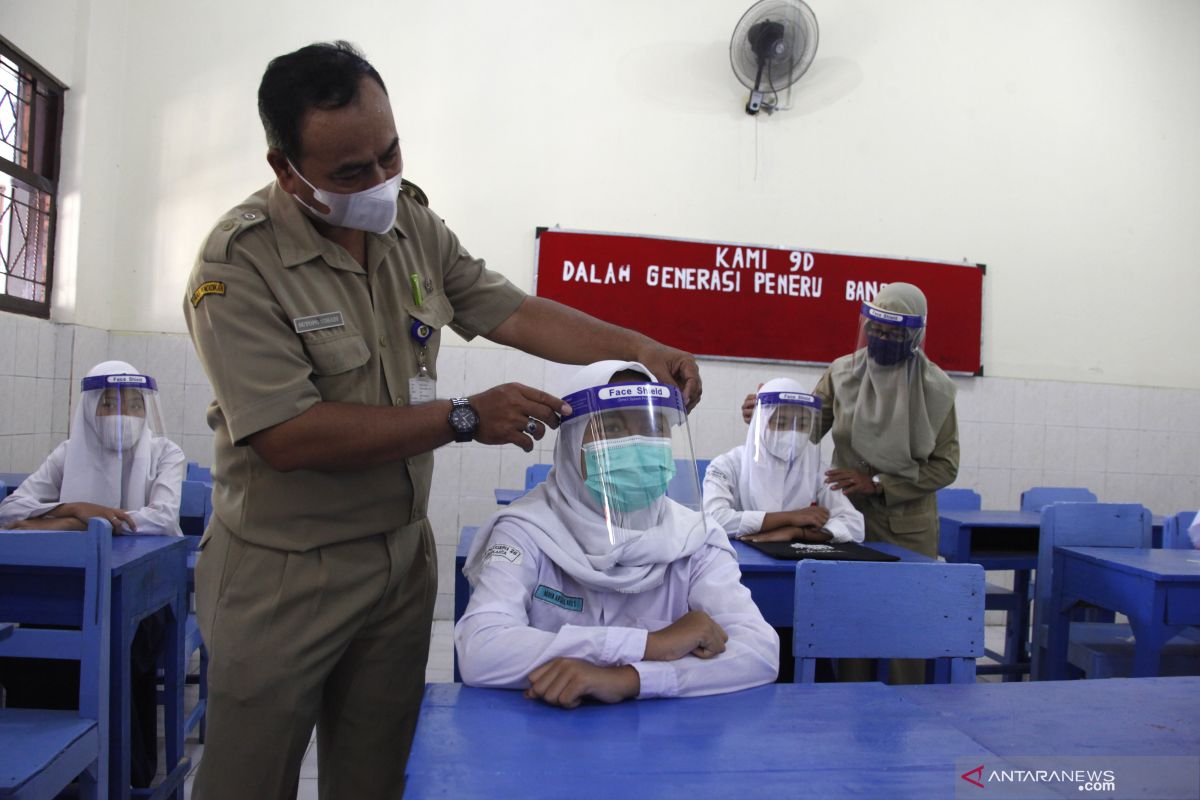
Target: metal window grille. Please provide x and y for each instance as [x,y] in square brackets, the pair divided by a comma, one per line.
[30,144]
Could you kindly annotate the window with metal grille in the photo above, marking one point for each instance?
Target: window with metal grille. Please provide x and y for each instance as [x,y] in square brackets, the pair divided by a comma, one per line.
[30,141]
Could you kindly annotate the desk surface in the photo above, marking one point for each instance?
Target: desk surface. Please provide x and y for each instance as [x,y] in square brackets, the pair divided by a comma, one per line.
[129,551]
[993,519]
[1160,565]
[843,740]
[6,629]
[741,744]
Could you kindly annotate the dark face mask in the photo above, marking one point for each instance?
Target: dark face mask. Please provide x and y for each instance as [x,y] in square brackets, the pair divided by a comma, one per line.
[888,352]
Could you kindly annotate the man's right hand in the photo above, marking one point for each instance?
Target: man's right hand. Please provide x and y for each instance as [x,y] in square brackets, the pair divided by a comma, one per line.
[505,413]
[120,520]
[694,633]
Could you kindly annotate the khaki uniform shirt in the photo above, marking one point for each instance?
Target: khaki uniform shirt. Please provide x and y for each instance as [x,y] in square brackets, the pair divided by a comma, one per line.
[283,318]
[905,513]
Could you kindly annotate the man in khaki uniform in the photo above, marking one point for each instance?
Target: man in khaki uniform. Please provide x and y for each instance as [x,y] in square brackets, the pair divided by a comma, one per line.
[315,307]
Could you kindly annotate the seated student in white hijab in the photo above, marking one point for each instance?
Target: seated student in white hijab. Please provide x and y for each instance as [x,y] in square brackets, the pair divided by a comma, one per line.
[1194,531]
[772,488]
[117,464]
[595,584]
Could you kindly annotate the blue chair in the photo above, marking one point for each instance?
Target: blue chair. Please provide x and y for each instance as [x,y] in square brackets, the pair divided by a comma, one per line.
[44,751]
[1175,531]
[851,609]
[702,469]
[535,474]
[959,500]
[997,598]
[195,472]
[1039,497]
[194,500]
[1099,649]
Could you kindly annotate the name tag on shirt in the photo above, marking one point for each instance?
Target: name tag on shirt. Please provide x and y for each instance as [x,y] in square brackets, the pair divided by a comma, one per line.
[557,598]
[318,322]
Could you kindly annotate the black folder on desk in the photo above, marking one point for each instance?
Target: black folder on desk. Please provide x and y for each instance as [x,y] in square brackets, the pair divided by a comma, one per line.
[828,551]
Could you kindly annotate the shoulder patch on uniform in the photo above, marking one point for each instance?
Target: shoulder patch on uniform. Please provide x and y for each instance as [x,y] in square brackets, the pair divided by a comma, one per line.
[218,247]
[557,598]
[504,554]
[205,289]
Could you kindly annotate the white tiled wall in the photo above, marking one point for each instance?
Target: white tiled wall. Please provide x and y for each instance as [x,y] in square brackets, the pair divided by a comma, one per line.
[1127,444]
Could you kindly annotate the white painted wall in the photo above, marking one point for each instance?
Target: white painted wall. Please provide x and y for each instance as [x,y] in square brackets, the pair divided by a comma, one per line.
[1052,139]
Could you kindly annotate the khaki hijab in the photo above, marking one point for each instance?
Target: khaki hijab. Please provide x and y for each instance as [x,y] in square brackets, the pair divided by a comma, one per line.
[893,414]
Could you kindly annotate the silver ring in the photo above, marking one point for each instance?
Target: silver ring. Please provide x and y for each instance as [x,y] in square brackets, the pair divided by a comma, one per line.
[531,428]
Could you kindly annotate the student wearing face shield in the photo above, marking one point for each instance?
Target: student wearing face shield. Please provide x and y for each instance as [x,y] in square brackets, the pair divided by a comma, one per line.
[118,465]
[772,488]
[599,585]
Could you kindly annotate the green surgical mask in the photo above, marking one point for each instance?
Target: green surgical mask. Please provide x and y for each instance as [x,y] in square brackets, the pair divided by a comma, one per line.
[631,472]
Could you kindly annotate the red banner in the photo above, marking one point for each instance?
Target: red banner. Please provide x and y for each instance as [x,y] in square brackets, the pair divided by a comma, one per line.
[749,302]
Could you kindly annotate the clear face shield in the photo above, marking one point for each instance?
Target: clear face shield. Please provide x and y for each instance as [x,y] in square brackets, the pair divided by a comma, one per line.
[122,411]
[888,339]
[785,424]
[634,450]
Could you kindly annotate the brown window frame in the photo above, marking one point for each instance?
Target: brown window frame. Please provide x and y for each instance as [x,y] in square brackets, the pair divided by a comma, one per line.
[44,135]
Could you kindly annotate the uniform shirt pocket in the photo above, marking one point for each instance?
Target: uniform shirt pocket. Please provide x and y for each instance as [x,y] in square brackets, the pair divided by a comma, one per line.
[336,354]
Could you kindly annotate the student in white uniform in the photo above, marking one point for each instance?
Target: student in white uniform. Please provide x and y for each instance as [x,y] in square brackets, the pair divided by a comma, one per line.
[772,488]
[117,464]
[597,585]
[1194,531]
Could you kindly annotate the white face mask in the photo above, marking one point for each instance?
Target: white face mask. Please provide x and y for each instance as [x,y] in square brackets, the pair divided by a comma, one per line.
[372,210]
[785,445]
[120,432]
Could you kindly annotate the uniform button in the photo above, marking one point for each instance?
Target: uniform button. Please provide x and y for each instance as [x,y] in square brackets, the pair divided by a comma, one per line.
[429,284]
[228,225]
[399,401]
[383,341]
[250,215]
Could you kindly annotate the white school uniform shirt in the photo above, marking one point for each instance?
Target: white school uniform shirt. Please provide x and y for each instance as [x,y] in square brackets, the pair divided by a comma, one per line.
[39,492]
[723,503]
[1194,531]
[525,611]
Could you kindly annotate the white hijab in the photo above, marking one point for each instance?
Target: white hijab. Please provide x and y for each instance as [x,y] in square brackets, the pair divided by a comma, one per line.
[568,526]
[767,482]
[893,414]
[92,473]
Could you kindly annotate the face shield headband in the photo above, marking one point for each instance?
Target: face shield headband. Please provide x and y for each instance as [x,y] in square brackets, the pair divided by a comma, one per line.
[891,337]
[628,463]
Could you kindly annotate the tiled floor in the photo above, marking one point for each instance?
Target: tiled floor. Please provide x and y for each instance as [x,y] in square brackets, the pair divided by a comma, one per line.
[441,670]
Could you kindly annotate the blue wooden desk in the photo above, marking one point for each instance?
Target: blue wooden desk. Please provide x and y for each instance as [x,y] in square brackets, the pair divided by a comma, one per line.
[787,740]
[1159,590]
[148,573]
[776,741]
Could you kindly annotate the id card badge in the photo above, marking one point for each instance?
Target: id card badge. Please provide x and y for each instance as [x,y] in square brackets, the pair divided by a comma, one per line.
[422,388]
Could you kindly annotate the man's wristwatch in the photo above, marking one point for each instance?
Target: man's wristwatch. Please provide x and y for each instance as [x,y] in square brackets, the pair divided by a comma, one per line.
[878,484]
[463,419]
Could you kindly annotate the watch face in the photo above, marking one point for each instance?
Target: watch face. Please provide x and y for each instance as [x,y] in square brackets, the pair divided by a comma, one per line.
[462,419]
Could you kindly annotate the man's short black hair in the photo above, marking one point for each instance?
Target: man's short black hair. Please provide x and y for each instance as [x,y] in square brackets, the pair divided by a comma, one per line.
[322,75]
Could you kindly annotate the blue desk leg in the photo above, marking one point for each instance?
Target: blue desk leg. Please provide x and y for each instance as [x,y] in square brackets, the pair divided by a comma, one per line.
[1053,664]
[1016,628]
[1151,633]
[174,675]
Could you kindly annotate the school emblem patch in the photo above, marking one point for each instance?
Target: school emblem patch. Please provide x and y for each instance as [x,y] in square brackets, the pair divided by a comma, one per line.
[205,289]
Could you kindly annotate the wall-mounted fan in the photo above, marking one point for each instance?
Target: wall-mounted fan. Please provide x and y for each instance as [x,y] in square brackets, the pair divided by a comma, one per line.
[772,46]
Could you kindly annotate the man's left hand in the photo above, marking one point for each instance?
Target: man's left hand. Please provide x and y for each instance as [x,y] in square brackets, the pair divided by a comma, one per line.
[851,481]
[676,367]
[564,682]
